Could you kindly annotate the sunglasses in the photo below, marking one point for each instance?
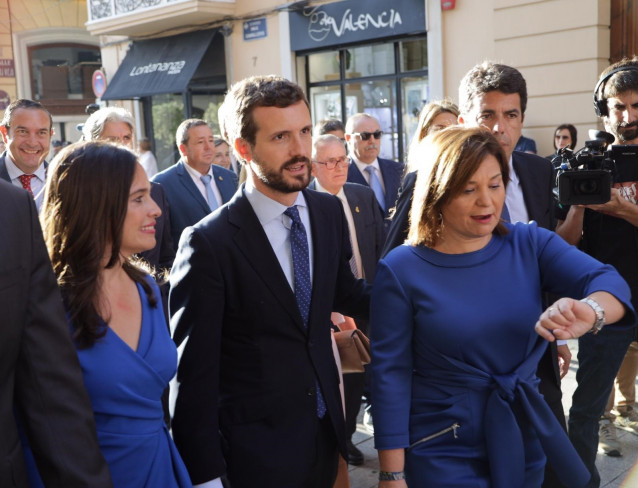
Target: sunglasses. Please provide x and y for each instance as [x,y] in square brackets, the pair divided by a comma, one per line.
[367,135]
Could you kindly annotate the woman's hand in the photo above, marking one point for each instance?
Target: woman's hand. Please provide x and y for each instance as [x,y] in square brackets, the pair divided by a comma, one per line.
[565,319]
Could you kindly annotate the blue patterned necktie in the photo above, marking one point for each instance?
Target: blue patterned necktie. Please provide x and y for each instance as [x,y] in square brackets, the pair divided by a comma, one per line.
[375,184]
[302,284]
[210,195]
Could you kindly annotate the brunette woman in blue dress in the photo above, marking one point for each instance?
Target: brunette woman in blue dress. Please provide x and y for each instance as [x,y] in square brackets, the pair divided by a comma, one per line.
[96,215]
[458,327]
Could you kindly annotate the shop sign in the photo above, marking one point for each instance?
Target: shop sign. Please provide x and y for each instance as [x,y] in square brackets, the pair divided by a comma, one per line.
[6,68]
[255,29]
[355,21]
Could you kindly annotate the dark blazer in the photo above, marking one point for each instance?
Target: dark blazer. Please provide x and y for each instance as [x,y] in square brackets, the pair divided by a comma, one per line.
[368,224]
[248,372]
[163,254]
[4,174]
[187,204]
[391,171]
[40,374]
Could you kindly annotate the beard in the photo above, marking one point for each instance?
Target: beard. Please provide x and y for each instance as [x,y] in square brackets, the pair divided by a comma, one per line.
[276,178]
[625,132]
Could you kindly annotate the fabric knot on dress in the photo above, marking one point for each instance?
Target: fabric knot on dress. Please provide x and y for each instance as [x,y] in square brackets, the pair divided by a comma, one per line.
[506,386]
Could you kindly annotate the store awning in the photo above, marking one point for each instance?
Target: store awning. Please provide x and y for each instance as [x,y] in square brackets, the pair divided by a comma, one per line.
[157,66]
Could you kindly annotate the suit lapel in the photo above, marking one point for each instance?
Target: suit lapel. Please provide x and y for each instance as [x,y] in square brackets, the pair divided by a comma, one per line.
[252,242]
[4,174]
[319,223]
[187,182]
[224,186]
[527,185]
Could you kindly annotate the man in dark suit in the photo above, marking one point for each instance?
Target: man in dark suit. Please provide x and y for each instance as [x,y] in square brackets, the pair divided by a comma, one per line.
[365,223]
[494,96]
[40,376]
[26,131]
[252,290]
[194,185]
[363,136]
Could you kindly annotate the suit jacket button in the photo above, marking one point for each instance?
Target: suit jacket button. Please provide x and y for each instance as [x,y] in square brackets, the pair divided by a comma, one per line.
[310,392]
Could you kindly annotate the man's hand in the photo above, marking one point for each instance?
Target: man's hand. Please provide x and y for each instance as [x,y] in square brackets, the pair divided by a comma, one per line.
[619,207]
[564,359]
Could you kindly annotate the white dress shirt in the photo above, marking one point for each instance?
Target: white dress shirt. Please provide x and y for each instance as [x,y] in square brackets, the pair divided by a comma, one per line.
[276,225]
[351,228]
[514,198]
[377,170]
[37,183]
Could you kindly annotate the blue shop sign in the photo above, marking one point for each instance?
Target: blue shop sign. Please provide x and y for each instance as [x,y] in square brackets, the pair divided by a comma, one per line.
[255,29]
[351,21]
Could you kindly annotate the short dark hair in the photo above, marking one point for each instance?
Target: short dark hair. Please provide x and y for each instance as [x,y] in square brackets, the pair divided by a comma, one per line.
[573,133]
[487,77]
[326,126]
[23,103]
[181,134]
[257,91]
[621,81]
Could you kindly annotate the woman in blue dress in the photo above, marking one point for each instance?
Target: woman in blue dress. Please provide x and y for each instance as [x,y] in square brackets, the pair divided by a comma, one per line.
[458,327]
[97,214]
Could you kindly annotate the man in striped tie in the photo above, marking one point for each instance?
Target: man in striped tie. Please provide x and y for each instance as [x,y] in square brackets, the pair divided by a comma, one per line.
[26,131]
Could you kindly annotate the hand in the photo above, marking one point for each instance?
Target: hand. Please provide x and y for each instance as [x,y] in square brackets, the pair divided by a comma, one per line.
[613,207]
[564,359]
[565,319]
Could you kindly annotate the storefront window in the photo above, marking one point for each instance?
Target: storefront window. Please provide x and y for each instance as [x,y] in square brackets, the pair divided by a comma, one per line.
[167,113]
[372,84]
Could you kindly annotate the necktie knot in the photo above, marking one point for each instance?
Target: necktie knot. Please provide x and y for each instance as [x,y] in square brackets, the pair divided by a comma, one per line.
[25,180]
[293,214]
[206,179]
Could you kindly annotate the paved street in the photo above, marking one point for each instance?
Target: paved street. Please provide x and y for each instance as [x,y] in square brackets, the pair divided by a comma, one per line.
[613,471]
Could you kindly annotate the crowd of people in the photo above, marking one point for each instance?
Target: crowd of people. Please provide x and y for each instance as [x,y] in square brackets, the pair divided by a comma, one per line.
[175,328]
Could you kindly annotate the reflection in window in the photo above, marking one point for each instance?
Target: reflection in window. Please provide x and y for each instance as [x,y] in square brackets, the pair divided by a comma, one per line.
[63,71]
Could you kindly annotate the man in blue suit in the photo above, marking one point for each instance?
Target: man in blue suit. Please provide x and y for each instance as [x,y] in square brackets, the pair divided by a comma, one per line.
[195,186]
[363,136]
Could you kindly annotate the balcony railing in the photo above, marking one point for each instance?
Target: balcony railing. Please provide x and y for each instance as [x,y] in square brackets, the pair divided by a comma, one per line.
[101,9]
[143,17]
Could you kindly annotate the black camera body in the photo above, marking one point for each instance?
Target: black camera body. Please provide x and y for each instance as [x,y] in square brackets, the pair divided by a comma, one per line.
[586,176]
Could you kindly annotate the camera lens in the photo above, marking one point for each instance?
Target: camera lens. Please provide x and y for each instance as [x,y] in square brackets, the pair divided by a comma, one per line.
[587,186]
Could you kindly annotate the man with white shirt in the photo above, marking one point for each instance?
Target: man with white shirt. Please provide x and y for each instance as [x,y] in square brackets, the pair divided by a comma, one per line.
[365,223]
[26,131]
[252,291]
[383,176]
[194,185]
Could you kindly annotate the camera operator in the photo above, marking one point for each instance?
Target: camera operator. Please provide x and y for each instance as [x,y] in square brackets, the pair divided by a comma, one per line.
[607,232]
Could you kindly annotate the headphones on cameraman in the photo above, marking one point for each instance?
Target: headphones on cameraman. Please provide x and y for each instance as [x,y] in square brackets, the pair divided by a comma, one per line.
[600,106]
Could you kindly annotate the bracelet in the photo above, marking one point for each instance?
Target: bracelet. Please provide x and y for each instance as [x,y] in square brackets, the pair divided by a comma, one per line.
[391,475]
[599,323]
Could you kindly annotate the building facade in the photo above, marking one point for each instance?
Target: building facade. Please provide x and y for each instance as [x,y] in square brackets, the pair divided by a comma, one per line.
[386,58]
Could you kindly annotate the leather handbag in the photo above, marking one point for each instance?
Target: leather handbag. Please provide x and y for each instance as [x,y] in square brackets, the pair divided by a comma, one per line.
[354,350]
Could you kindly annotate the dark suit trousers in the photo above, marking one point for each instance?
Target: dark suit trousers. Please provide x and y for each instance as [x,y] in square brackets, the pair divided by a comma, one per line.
[353,386]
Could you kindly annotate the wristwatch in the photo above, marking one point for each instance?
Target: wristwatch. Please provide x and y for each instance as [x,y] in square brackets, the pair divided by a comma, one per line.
[391,475]
[600,315]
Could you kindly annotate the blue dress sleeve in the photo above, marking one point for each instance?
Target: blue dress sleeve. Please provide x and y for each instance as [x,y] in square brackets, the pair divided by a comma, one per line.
[567,271]
[391,330]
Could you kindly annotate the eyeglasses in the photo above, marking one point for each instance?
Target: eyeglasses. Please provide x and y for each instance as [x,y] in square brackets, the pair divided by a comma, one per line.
[334,162]
[366,135]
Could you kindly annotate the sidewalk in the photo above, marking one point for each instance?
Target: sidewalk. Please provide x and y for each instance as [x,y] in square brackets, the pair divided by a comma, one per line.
[613,471]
